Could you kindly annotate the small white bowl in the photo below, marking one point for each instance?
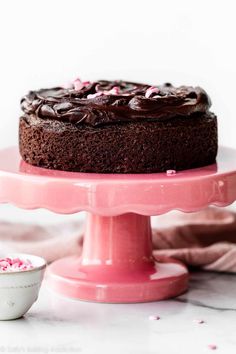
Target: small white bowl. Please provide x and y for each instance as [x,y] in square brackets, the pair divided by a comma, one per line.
[19,289]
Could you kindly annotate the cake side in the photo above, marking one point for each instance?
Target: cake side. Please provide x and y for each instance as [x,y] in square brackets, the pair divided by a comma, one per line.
[128,147]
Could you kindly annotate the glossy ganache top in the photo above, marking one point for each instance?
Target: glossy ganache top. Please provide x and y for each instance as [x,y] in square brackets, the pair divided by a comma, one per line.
[104,102]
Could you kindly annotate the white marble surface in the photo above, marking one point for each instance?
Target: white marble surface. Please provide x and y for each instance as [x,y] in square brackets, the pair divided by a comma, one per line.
[58,325]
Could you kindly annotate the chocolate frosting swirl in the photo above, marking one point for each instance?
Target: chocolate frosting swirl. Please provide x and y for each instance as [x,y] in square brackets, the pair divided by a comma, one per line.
[105,102]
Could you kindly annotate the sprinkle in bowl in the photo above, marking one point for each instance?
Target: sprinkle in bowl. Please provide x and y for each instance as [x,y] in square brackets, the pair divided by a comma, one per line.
[21,276]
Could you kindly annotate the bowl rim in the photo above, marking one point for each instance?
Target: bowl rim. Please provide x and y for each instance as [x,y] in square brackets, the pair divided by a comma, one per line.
[25,255]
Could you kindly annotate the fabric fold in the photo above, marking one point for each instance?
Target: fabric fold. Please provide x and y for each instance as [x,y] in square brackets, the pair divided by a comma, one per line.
[205,239]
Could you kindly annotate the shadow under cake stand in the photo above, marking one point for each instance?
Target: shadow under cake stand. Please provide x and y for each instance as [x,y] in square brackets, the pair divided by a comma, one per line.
[117,264]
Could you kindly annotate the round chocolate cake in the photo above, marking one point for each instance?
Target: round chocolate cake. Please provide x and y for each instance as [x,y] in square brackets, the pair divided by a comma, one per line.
[118,127]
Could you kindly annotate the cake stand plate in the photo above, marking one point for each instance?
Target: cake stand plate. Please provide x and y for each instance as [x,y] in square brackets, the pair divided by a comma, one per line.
[117,263]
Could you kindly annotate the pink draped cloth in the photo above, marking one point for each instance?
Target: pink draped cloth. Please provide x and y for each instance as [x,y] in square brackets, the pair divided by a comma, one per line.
[205,239]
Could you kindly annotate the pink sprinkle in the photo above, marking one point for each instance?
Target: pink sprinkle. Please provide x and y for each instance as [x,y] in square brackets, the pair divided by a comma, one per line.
[151,90]
[78,84]
[86,83]
[171,172]
[199,321]
[154,318]
[212,346]
[94,95]
[4,263]
[114,91]
[9,260]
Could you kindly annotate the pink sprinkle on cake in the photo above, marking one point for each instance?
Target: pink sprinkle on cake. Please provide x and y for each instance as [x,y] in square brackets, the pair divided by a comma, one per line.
[171,172]
[151,90]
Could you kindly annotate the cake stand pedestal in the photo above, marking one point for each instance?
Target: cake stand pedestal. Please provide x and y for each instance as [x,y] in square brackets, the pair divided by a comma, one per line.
[117,263]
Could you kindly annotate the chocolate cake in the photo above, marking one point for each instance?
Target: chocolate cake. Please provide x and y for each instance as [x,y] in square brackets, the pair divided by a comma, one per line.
[118,127]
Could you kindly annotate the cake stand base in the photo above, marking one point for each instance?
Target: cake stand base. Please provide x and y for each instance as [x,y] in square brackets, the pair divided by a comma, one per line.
[117,265]
[159,281]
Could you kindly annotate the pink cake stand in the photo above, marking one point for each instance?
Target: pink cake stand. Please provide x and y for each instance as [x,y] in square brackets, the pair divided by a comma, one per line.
[117,263]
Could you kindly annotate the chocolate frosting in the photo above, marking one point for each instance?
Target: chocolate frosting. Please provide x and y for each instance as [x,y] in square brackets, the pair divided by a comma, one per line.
[105,102]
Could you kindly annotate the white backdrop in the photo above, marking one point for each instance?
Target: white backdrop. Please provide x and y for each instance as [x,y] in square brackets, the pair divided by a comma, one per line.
[49,42]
